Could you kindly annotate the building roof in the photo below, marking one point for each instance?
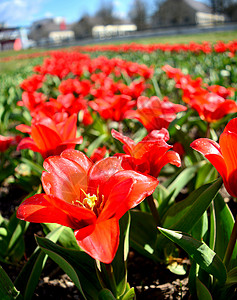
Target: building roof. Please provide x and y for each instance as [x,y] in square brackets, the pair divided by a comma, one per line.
[198,6]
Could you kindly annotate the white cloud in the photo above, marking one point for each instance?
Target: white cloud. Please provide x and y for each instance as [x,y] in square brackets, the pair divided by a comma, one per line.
[19,12]
[48,14]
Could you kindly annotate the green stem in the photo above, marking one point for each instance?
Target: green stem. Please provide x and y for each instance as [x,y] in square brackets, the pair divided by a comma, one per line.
[231,245]
[208,132]
[106,277]
[154,211]
[156,87]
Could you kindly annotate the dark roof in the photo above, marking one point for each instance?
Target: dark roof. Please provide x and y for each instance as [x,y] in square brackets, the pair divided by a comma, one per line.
[198,6]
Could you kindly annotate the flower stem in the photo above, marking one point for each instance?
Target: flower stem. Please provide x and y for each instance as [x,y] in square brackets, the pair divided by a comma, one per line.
[106,277]
[231,245]
[154,211]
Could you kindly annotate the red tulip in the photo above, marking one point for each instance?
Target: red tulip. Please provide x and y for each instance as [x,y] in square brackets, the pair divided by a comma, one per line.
[222,156]
[5,142]
[148,156]
[154,113]
[89,198]
[50,138]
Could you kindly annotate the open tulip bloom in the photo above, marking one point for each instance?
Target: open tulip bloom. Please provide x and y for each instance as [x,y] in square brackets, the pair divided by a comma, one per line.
[222,156]
[50,138]
[89,198]
[148,156]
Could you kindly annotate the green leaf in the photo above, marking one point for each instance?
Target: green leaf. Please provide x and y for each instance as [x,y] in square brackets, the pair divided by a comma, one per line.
[76,264]
[185,214]
[224,222]
[200,252]
[120,260]
[66,239]
[12,245]
[106,294]
[129,295]
[29,276]
[202,291]
[143,234]
[205,174]
[176,186]
[7,289]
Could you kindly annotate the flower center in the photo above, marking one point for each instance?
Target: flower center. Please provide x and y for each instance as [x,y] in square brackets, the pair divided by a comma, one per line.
[92,202]
[89,201]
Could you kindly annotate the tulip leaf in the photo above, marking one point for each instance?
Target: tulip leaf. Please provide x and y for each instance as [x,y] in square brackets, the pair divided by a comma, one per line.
[199,252]
[143,234]
[106,294]
[66,239]
[120,260]
[228,291]
[129,295]
[224,222]
[78,265]
[185,214]
[12,245]
[7,289]
[176,186]
[29,276]
[202,291]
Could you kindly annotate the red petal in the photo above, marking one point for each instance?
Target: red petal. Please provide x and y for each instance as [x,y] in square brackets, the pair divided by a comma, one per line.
[37,209]
[228,142]
[64,179]
[142,187]
[27,143]
[170,157]
[103,243]
[78,157]
[117,198]
[46,138]
[101,171]
[129,144]
[24,128]
[212,151]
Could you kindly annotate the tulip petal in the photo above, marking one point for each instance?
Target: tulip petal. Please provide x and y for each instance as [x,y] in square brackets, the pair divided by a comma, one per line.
[64,179]
[212,151]
[43,208]
[103,243]
[142,187]
[77,156]
[46,138]
[27,143]
[37,209]
[129,144]
[101,171]
[228,142]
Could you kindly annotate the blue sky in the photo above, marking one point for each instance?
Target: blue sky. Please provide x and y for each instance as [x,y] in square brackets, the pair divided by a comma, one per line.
[24,12]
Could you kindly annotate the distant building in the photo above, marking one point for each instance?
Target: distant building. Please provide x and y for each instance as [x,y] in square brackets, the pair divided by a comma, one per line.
[186,12]
[13,38]
[108,31]
[51,30]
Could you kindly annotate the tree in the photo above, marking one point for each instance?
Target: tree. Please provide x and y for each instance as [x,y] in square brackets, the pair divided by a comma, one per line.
[105,13]
[138,14]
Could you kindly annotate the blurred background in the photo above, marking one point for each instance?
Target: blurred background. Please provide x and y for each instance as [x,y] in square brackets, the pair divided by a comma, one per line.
[27,24]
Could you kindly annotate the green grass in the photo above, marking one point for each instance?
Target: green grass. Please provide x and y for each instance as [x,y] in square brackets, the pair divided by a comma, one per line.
[212,37]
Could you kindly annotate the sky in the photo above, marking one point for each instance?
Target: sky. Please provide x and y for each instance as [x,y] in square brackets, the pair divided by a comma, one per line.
[25,12]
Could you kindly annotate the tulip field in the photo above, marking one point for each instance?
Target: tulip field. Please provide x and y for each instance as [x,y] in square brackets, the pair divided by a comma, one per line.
[119,169]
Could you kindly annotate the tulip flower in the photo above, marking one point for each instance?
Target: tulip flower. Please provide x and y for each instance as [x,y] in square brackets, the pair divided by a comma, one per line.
[5,142]
[50,138]
[222,156]
[89,198]
[154,113]
[149,155]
